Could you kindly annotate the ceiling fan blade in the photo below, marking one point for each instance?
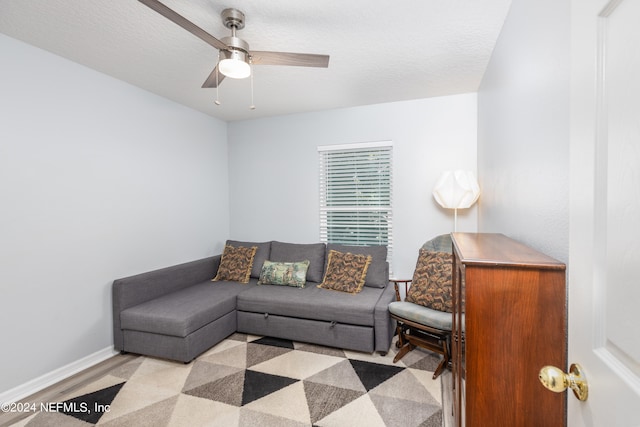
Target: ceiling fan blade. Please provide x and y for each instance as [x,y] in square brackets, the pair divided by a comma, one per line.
[259,57]
[211,80]
[184,23]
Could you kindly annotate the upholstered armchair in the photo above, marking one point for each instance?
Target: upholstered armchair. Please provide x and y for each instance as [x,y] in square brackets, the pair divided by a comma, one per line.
[424,317]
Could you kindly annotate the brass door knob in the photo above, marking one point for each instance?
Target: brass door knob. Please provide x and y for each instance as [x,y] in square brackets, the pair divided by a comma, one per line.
[557,381]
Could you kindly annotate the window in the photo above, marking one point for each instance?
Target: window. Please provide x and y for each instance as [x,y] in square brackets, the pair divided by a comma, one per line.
[356,194]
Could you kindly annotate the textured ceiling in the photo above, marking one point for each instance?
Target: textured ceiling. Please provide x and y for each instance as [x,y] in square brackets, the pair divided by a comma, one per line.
[381,51]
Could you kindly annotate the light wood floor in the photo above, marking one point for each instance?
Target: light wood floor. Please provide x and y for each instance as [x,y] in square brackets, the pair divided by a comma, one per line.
[56,392]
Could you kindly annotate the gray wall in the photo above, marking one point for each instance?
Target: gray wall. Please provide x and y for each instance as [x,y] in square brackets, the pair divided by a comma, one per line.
[523,129]
[98,180]
[273,169]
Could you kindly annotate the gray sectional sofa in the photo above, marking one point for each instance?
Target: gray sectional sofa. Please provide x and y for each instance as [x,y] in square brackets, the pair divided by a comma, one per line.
[178,312]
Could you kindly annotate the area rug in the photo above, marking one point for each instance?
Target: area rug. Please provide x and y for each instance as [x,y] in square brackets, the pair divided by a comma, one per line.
[259,381]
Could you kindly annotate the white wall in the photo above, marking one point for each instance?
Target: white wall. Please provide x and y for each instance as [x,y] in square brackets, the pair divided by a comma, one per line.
[273,170]
[98,180]
[523,129]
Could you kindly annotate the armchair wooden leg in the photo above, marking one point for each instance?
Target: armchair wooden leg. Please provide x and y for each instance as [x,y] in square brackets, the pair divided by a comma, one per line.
[440,368]
[444,363]
[404,350]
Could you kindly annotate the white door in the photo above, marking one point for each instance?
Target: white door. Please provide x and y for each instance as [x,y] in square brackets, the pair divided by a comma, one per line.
[604,257]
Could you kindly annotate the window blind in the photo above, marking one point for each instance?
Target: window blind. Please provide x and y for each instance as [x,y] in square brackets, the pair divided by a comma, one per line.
[356,194]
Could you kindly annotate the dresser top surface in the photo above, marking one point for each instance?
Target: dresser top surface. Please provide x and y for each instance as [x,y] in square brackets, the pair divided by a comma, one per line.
[493,249]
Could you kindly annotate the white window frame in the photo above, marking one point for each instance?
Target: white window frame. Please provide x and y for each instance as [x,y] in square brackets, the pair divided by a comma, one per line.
[326,154]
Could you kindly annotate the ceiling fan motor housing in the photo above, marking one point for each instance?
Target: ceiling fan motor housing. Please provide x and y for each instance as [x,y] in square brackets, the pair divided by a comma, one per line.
[236,43]
[238,48]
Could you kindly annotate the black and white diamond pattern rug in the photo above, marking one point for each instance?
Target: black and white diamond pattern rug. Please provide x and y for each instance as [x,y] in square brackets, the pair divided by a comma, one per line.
[259,381]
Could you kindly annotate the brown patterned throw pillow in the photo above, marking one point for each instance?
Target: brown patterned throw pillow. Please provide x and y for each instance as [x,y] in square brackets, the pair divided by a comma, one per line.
[345,272]
[236,264]
[431,284]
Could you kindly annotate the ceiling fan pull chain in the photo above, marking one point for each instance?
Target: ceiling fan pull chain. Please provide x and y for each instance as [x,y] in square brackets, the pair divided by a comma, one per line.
[252,106]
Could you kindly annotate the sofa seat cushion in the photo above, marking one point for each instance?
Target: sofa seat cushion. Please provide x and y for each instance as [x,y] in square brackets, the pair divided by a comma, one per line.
[183,312]
[313,303]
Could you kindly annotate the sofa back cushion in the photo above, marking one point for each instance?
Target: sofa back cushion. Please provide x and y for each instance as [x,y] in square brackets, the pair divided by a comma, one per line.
[262,254]
[378,271]
[295,252]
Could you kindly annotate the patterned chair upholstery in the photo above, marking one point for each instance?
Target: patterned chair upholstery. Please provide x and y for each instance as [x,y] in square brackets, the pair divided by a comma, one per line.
[424,317]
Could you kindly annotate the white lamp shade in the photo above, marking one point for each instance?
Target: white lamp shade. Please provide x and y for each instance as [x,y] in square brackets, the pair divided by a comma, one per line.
[456,189]
[233,64]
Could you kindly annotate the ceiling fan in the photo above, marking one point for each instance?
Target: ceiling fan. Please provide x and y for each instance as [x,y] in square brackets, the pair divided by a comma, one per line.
[235,57]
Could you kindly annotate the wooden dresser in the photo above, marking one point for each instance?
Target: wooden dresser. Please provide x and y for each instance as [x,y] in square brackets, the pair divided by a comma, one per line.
[509,321]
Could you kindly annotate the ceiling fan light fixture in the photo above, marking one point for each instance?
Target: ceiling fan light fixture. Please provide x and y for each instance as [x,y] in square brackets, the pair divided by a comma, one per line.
[234,64]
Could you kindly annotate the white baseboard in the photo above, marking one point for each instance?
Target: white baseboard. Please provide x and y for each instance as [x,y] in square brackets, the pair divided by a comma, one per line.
[48,379]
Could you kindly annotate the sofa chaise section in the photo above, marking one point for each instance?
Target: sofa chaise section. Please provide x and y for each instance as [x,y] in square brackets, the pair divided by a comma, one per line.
[174,312]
